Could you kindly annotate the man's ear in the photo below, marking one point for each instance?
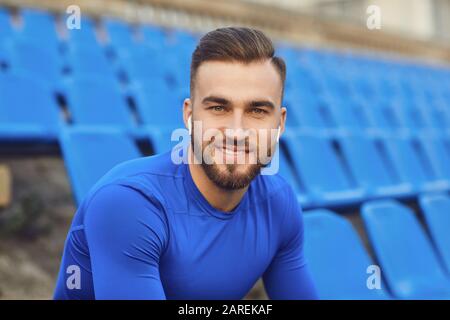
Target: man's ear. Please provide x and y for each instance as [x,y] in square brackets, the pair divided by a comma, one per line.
[187,111]
[283,120]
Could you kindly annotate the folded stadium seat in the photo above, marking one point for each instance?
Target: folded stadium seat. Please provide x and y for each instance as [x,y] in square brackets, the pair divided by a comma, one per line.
[362,85]
[90,62]
[407,259]
[142,62]
[321,170]
[331,83]
[90,152]
[436,209]
[410,163]
[177,66]
[120,34]
[303,111]
[303,80]
[154,36]
[344,113]
[292,106]
[438,115]
[28,109]
[185,40]
[371,167]
[5,55]
[158,106]
[179,53]
[37,61]
[411,118]
[40,27]
[286,170]
[337,259]
[379,116]
[161,138]
[438,154]
[6,29]
[98,101]
[85,37]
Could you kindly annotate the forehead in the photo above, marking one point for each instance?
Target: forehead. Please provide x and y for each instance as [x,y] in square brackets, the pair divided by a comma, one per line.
[239,81]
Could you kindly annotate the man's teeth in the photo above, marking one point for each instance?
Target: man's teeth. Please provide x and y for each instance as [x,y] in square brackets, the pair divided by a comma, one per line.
[232,152]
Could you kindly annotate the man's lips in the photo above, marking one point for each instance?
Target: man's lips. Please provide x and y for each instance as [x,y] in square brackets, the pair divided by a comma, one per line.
[231,150]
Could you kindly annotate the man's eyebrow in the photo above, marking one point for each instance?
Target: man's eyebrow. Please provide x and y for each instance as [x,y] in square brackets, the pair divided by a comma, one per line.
[261,103]
[216,99]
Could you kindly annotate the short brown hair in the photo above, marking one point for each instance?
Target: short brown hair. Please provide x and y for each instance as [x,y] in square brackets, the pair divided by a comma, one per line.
[235,44]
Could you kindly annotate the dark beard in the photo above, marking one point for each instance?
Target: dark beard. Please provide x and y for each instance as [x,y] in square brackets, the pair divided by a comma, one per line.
[230,180]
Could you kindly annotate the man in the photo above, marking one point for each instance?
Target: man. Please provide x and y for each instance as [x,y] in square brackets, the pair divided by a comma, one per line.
[206,229]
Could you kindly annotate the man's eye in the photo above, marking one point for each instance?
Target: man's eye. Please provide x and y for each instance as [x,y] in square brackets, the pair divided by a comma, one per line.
[218,108]
[258,111]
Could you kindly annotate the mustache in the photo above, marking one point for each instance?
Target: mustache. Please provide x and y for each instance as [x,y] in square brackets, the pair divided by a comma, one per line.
[234,144]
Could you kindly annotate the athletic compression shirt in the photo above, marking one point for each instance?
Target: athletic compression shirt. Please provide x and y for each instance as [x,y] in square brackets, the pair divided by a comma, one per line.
[145,231]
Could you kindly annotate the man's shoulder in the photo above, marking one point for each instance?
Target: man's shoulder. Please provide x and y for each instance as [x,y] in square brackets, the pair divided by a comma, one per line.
[148,175]
[274,187]
[156,165]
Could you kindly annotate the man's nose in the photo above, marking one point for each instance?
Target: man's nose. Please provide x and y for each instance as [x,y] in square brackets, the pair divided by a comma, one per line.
[236,128]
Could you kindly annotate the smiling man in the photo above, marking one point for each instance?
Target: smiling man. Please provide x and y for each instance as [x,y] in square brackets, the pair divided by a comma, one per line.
[209,228]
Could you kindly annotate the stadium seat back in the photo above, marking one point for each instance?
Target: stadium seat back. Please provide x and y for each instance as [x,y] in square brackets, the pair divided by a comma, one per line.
[40,27]
[98,101]
[317,163]
[90,152]
[436,209]
[337,259]
[27,103]
[406,255]
[366,162]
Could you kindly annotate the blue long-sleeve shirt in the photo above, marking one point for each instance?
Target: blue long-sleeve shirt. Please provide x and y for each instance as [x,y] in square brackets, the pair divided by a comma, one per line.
[146,232]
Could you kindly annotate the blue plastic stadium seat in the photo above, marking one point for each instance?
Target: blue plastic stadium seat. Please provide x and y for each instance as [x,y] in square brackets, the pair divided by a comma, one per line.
[411,165]
[90,62]
[407,258]
[90,152]
[411,117]
[337,258]
[343,113]
[39,27]
[184,39]
[154,36]
[6,29]
[438,117]
[158,105]
[119,33]
[438,155]
[161,138]
[303,111]
[436,209]
[84,37]
[286,170]
[98,101]
[37,61]
[28,109]
[441,114]
[4,54]
[379,116]
[142,62]
[321,170]
[371,167]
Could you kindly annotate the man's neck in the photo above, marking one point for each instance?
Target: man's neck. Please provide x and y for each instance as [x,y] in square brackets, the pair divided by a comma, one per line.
[221,199]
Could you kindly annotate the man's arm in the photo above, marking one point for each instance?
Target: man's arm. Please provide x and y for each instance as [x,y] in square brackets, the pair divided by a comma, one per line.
[288,276]
[126,235]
